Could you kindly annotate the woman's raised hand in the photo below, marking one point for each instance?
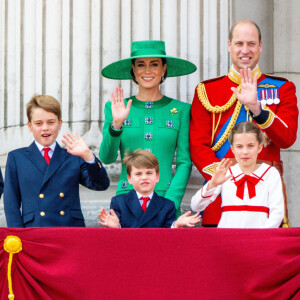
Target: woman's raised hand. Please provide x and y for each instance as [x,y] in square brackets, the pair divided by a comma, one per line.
[219,176]
[118,109]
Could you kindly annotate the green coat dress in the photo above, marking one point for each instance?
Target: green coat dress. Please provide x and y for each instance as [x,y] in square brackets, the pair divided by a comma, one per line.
[161,127]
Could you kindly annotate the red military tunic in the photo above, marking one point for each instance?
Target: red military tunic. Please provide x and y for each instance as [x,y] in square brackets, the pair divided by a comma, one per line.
[279,121]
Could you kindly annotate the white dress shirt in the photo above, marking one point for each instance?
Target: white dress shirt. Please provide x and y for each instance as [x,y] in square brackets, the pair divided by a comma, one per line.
[141,201]
[41,147]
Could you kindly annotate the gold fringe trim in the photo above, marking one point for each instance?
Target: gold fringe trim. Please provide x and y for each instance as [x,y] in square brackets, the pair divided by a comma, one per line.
[202,95]
[12,244]
[205,102]
[214,128]
[269,120]
[235,76]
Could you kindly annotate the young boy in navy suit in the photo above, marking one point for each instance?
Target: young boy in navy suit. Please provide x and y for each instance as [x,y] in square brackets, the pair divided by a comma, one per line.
[44,178]
[142,207]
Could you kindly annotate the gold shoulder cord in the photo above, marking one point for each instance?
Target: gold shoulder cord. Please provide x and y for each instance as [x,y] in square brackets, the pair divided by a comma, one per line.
[205,102]
[219,109]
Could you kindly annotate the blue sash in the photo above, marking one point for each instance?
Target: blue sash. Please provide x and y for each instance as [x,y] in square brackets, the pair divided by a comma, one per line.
[226,146]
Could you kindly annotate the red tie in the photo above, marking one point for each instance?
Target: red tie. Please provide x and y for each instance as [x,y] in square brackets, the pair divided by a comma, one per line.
[145,200]
[251,183]
[46,155]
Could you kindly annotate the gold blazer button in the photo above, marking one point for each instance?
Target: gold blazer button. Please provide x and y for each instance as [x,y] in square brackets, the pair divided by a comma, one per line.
[41,196]
[61,194]
[42,213]
[62,213]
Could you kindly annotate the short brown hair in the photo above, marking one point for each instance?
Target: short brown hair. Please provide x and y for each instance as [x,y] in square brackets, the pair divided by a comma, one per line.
[246,127]
[244,21]
[45,102]
[140,159]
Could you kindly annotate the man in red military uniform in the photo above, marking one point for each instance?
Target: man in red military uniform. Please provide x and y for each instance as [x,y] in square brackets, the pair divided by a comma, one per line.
[244,94]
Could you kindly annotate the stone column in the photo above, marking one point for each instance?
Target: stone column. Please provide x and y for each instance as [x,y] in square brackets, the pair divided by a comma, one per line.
[59,47]
[280,26]
[286,26]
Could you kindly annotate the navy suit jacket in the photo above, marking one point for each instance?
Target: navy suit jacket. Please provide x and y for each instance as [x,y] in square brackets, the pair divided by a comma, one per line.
[1,184]
[48,194]
[160,213]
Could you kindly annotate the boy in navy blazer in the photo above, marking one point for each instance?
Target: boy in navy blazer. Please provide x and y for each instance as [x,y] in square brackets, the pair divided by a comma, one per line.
[44,178]
[142,207]
[1,183]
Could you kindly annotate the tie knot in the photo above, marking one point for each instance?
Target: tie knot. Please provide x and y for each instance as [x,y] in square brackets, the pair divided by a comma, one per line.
[145,200]
[46,150]
[46,155]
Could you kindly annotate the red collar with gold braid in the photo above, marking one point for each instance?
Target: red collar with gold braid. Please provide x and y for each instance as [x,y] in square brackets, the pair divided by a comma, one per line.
[202,95]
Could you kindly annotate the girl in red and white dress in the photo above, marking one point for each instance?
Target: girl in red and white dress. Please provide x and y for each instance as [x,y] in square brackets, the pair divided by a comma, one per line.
[251,193]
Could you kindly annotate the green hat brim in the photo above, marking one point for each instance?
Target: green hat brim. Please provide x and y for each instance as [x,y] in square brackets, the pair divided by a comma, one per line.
[121,68]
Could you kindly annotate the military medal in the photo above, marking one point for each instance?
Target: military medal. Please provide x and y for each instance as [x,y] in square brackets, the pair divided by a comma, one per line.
[272,94]
[269,99]
[263,100]
[276,99]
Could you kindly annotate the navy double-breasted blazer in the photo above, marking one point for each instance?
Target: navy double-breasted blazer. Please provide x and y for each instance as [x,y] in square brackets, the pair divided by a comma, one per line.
[1,184]
[48,194]
[160,213]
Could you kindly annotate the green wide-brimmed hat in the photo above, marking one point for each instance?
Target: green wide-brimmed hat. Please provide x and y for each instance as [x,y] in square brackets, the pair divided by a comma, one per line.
[175,66]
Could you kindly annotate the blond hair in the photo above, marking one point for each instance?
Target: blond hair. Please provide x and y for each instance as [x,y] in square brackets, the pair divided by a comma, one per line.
[45,102]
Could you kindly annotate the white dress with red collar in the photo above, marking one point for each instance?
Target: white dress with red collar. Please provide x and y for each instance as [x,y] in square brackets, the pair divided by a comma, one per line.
[248,201]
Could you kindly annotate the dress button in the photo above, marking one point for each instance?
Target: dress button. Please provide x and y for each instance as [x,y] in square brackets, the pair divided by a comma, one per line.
[62,213]
[42,213]
[41,196]
[61,194]
[148,136]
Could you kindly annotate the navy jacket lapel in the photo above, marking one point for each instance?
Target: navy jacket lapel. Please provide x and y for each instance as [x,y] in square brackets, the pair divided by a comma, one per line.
[35,156]
[153,208]
[133,204]
[58,157]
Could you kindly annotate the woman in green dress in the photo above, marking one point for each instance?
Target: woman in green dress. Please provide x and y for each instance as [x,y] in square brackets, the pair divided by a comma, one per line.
[149,120]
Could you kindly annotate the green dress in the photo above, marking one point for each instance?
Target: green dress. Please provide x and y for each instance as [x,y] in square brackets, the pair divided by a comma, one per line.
[161,127]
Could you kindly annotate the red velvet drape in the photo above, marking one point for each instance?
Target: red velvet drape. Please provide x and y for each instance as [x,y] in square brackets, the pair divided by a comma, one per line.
[202,263]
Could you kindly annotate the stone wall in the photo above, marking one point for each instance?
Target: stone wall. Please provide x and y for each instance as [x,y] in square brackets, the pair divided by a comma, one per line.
[280,25]
[287,64]
[59,48]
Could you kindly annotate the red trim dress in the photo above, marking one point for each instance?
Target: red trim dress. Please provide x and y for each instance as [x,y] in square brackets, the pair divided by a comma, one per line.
[248,201]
